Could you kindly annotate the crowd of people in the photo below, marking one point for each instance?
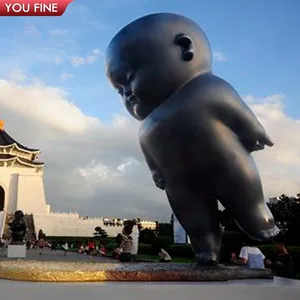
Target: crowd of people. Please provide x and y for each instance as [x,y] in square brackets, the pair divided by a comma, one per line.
[90,248]
[127,243]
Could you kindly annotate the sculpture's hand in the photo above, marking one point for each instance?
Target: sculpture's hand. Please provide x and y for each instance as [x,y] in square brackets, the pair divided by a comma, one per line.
[265,140]
[260,143]
[235,113]
[158,180]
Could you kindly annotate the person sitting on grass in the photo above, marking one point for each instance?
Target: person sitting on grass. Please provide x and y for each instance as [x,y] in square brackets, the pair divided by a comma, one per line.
[102,250]
[284,265]
[81,249]
[164,256]
[117,251]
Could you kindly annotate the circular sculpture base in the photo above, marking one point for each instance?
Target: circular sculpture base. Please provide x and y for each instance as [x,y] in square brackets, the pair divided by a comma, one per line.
[48,271]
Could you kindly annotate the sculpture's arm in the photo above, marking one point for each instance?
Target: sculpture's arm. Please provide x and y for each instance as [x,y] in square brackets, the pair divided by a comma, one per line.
[156,174]
[234,112]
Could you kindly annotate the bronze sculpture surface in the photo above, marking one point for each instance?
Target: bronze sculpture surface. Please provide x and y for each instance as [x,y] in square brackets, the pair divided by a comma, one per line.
[196,132]
[18,228]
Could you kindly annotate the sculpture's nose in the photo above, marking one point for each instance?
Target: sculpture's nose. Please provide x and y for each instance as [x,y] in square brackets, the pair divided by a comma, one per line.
[128,92]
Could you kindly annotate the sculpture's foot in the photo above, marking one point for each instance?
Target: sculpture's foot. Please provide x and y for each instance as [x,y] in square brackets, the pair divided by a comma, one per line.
[207,259]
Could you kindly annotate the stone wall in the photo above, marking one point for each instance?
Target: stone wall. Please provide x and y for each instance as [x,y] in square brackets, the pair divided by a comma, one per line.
[71,224]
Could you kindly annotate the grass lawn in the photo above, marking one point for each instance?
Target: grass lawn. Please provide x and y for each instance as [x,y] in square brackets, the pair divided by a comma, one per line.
[155,258]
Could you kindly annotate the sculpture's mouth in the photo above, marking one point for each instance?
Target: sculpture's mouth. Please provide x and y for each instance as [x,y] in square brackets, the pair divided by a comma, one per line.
[132,100]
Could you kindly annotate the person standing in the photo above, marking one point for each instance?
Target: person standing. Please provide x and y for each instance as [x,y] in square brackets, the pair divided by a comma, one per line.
[41,241]
[66,248]
[135,242]
[126,244]
[28,244]
[41,245]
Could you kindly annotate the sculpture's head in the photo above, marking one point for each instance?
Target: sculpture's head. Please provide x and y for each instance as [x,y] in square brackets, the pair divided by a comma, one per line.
[152,57]
[19,214]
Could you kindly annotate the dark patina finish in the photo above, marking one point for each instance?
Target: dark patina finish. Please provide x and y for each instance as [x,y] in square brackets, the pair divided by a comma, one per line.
[18,228]
[196,132]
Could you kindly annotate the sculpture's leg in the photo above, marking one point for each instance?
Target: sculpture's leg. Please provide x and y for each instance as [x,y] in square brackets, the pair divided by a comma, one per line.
[198,215]
[240,191]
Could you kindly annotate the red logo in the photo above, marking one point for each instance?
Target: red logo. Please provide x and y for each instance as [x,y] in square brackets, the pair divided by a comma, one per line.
[49,8]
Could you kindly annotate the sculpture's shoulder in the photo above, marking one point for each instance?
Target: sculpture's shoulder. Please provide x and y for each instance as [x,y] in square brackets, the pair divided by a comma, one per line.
[196,98]
[207,88]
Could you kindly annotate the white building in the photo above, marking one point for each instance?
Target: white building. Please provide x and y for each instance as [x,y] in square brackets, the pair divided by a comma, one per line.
[22,188]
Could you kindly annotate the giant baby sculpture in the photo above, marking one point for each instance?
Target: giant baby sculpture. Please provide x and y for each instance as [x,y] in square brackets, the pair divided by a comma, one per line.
[196,132]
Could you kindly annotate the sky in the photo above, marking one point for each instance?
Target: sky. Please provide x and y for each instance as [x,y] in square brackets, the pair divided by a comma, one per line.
[54,96]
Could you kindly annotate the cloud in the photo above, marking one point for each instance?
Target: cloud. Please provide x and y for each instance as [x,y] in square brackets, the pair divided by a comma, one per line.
[98,169]
[58,60]
[219,56]
[17,76]
[77,61]
[279,165]
[44,105]
[84,14]
[64,76]
[91,167]
[31,30]
[58,31]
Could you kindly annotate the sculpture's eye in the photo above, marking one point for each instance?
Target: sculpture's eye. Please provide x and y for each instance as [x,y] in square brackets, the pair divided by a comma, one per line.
[120,90]
[130,76]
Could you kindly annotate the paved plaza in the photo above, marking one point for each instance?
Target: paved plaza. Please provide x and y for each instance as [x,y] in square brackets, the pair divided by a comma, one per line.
[48,255]
[276,289]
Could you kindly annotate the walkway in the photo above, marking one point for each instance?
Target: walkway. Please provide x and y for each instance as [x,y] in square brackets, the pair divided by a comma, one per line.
[276,289]
[48,255]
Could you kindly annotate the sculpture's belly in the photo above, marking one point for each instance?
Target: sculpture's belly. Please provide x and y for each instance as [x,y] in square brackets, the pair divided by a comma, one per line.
[183,153]
[176,148]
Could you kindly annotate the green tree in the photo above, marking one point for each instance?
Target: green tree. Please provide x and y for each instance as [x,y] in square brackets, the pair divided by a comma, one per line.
[147,236]
[165,229]
[100,233]
[286,213]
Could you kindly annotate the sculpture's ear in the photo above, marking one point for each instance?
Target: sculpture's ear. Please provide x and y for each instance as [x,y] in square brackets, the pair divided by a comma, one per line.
[186,45]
